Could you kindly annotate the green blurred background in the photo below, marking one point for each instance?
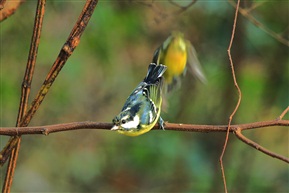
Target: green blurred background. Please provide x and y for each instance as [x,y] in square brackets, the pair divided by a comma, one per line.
[111,59]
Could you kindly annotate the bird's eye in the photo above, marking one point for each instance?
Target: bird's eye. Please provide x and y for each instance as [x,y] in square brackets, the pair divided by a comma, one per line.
[123,121]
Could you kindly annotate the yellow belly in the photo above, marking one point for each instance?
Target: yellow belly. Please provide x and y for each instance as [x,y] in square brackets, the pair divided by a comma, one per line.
[176,63]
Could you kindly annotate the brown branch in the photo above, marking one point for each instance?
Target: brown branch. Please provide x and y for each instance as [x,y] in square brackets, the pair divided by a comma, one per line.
[239,98]
[27,80]
[64,54]
[255,145]
[8,8]
[252,19]
[2,3]
[25,92]
[48,129]
[66,51]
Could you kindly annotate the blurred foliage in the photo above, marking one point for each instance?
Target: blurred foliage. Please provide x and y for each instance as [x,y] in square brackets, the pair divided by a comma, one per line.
[111,59]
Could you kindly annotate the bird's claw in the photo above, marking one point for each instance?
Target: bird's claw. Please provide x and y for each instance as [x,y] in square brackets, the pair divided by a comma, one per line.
[161,123]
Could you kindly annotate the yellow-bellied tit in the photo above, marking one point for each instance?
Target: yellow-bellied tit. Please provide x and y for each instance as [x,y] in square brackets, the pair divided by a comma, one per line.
[142,108]
[177,54]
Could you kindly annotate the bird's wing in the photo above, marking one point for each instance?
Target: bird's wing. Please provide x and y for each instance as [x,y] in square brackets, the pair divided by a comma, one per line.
[154,94]
[193,63]
[132,99]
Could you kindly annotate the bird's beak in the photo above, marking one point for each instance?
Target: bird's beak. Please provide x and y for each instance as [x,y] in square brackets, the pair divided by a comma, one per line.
[115,127]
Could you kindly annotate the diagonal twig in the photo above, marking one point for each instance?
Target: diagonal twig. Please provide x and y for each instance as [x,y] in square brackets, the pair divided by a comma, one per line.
[66,51]
[64,54]
[283,113]
[239,97]
[252,19]
[166,15]
[182,8]
[255,145]
[25,92]
[254,6]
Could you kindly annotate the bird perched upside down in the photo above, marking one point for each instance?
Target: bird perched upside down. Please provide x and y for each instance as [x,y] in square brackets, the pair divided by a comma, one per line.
[177,54]
[142,108]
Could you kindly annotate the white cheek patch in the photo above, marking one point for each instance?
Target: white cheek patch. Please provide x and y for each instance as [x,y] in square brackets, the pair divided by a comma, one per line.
[131,124]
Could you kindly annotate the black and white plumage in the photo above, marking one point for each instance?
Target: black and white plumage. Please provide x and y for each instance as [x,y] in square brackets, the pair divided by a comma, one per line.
[142,108]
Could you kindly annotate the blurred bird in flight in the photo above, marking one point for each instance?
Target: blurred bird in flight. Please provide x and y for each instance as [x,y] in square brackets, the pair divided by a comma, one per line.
[178,54]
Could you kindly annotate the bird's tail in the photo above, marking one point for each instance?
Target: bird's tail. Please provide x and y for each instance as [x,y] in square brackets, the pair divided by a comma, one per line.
[154,73]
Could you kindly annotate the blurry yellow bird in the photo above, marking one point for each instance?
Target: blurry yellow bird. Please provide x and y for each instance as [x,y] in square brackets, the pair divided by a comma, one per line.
[177,54]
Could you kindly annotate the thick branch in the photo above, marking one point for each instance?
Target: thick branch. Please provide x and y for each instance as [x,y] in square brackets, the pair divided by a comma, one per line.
[47,129]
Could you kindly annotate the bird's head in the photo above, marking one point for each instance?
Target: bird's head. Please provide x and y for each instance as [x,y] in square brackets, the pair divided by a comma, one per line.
[125,121]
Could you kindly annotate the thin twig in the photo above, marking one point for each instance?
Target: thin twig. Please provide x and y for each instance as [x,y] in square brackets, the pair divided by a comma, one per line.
[25,92]
[165,15]
[254,6]
[283,113]
[261,26]
[239,98]
[255,145]
[182,8]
